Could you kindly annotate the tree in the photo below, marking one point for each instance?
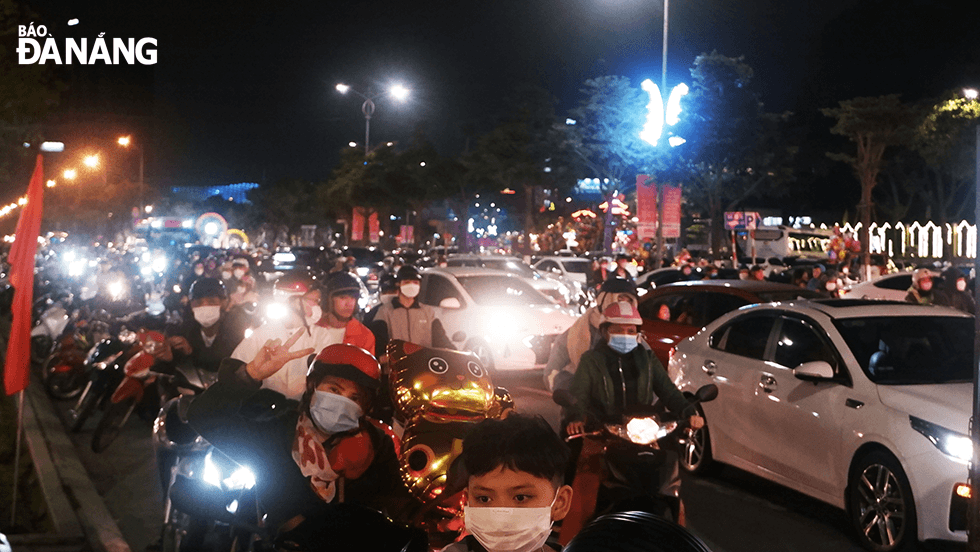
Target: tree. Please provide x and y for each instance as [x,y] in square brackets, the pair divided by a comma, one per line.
[605,137]
[734,150]
[525,152]
[873,124]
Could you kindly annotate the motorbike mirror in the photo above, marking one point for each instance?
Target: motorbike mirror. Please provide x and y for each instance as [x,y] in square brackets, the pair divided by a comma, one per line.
[563,397]
[706,393]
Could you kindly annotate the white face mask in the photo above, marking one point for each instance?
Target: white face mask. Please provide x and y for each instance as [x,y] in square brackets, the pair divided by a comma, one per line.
[199,271]
[510,529]
[411,290]
[961,285]
[831,286]
[313,318]
[225,275]
[239,273]
[207,316]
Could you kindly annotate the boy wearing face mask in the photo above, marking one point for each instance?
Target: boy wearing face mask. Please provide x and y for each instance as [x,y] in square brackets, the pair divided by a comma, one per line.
[405,318]
[617,374]
[212,331]
[309,455]
[514,493]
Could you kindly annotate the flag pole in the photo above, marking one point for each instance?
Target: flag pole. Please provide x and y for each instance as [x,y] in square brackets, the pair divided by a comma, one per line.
[20,429]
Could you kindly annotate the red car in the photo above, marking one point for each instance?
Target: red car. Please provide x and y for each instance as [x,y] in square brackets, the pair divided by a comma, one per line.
[676,311]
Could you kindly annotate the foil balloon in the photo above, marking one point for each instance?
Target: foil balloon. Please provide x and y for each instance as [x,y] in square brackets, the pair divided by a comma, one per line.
[428,450]
[439,384]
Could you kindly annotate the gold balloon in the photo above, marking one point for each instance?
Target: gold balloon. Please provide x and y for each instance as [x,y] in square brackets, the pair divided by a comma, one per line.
[428,449]
[438,384]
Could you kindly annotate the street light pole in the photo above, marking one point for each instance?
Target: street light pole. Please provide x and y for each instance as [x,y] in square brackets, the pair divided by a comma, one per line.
[658,262]
[367,108]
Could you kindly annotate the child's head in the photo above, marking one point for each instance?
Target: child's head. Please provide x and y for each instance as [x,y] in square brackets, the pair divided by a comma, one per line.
[517,462]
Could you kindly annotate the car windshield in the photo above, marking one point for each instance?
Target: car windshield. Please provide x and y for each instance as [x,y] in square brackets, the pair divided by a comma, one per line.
[502,291]
[510,266]
[903,350]
[577,266]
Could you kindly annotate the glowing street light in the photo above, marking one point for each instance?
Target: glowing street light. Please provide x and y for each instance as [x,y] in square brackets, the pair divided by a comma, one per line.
[70,174]
[397,91]
[91,161]
[126,142]
[971,93]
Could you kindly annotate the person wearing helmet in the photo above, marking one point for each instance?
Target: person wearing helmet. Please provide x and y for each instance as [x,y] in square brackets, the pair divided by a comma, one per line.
[339,305]
[584,333]
[617,373]
[299,305]
[921,290]
[406,318]
[307,455]
[954,291]
[212,331]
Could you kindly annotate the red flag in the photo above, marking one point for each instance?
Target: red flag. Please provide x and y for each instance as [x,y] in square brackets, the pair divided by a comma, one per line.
[16,372]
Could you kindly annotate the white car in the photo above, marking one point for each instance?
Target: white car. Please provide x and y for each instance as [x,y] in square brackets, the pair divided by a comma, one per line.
[890,286]
[573,268]
[551,287]
[861,404]
[497,315]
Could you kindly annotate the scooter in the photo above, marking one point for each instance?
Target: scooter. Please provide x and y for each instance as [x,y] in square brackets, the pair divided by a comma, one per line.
[104,369]
[128,394]
[626,464]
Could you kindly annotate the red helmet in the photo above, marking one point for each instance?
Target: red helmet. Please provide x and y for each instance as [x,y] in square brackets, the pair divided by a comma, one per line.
[295,283]
[621,312]
[345,361]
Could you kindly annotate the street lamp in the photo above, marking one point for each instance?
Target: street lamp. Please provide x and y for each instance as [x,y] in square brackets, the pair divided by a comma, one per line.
[126,142]
[397,91]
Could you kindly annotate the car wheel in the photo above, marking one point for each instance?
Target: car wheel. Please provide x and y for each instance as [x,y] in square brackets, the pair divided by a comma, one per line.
[482,349]
[880,504]
[696,450]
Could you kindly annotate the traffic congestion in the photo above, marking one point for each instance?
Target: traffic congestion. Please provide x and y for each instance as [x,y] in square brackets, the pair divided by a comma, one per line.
[291,395]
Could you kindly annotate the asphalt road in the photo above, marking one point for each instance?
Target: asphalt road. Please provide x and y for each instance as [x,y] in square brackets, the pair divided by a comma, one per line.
[731,512]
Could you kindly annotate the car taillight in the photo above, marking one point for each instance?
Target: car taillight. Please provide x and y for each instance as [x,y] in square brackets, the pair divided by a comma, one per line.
[670,354]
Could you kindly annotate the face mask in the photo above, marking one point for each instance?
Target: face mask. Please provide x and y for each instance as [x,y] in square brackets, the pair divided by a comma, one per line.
[622,343]
[925,285]
[313,318]
[199,271]
[225,275]
[411,290]
[239,273]
[961,285]
[334,413]
[831,286]
[207,316]
[510,529]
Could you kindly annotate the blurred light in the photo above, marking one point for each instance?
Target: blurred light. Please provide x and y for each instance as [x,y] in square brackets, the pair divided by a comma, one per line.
[92,161]
[123,141]
[399,92]
[963,490]
[51,183]
[970,93]
[70,174]
[422,164]
[211,228]
[148,209]
[352,144]
[73,22]
[52,147]
[570,121]
[342,88]
[675,141]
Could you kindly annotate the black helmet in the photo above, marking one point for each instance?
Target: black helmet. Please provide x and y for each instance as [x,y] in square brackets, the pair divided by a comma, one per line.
[634,531]
[406,273]
[342,282]
[614,284]
[207,287]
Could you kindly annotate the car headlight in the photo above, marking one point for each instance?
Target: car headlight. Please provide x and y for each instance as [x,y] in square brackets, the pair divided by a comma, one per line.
[957,446]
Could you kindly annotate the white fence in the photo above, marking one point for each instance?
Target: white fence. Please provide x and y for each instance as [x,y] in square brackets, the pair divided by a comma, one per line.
[924,241]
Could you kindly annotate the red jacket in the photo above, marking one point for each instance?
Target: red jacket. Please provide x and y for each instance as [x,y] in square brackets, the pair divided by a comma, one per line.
[355,334]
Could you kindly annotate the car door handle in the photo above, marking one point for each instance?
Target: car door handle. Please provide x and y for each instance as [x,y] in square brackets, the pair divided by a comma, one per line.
[855,404]
[709,367]
[767,383]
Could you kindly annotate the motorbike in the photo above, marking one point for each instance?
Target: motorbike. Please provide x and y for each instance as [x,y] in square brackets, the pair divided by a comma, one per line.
[52,314]
[63,371]
[128,394]
[104,367]
[628,463]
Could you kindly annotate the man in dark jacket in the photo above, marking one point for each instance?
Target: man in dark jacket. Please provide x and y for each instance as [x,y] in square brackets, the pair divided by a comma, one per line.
[210,334]
[954,292]
[307,456]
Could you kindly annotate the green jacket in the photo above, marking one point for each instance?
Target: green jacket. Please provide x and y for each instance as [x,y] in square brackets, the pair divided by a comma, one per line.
[593,387]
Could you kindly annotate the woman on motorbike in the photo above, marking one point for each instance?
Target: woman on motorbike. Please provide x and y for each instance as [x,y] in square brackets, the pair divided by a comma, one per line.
[617,374]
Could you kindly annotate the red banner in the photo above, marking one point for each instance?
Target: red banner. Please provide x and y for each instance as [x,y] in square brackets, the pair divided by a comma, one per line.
[357,225]
[646,206]
[407,234]
[672,211]
[16,371]
[374,228]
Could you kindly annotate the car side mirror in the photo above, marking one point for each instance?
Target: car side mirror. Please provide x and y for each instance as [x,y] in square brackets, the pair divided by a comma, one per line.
[814,371]
[450,303]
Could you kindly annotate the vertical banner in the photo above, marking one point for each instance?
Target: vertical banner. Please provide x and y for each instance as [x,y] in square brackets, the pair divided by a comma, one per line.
[374,228]
[357,225]
[16,370]
[672,211]
[646,206]
[407,234]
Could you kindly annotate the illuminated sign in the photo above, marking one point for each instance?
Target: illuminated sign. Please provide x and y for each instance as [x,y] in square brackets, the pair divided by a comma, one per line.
[658,115]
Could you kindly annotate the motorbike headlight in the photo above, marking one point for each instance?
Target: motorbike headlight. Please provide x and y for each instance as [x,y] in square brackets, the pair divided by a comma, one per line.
[116,290]
[215,469]
[957,446]
[276,311]
[644,431]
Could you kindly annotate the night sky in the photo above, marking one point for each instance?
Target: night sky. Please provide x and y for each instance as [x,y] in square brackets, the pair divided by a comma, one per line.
[244,91]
